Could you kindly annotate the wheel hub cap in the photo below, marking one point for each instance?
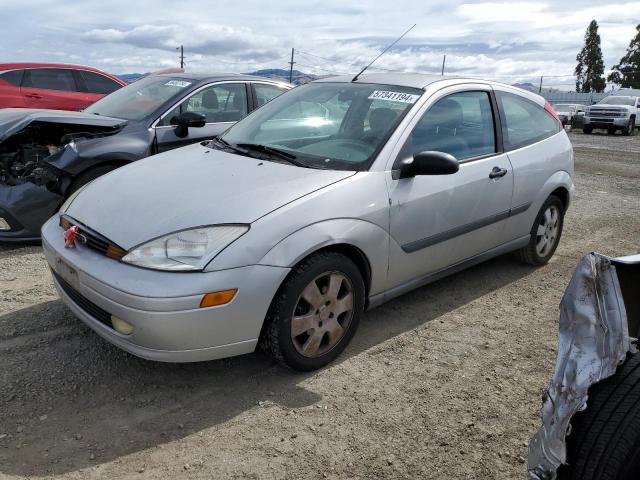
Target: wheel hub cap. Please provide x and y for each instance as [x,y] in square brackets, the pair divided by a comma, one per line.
[322,314]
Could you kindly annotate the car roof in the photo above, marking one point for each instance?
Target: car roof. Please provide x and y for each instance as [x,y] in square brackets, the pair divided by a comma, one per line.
[413,80]
[16,66]
[217,76]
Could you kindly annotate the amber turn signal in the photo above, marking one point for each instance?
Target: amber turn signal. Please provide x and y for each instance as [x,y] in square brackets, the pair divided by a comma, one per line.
[218,298]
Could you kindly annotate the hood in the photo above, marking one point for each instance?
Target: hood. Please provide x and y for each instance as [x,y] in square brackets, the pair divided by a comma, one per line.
[13,120]
[190,187]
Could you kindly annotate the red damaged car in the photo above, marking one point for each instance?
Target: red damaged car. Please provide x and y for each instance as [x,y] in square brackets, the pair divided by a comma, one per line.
[53,86]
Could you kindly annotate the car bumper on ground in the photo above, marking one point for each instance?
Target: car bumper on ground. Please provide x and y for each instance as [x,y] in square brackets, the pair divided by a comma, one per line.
[163,307]
[25,208]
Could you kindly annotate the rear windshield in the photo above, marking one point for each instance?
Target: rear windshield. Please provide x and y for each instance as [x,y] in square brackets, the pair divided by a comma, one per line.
[141,98]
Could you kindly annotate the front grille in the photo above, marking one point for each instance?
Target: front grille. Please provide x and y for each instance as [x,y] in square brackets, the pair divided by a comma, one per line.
[607,113]
[88,306]
[93,240]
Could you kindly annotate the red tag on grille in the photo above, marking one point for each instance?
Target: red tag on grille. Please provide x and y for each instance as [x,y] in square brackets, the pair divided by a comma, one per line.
[70,237]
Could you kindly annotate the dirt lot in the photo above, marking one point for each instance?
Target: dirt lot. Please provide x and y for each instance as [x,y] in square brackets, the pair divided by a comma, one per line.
[443,383]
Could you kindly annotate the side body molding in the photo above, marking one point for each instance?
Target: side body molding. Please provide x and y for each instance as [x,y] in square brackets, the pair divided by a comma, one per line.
[370,239]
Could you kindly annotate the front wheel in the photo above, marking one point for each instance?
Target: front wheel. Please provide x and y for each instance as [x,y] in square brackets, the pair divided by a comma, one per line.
[604,442]
[630,128]
[545,233]
[315,313]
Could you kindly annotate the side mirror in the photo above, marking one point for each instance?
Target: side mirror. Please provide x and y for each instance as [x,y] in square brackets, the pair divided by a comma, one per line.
[186,120]
[429,163]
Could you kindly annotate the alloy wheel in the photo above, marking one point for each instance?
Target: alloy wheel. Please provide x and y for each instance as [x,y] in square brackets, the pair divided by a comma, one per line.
[547,232]
[322,314]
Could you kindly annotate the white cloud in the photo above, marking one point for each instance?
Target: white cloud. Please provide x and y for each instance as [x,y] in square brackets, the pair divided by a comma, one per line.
[499,39]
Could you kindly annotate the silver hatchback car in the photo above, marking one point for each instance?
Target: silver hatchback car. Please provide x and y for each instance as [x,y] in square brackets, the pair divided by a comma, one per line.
[333,198]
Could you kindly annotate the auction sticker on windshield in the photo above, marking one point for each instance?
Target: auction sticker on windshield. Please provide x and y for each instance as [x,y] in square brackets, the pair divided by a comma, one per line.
[178,83]
[393,96]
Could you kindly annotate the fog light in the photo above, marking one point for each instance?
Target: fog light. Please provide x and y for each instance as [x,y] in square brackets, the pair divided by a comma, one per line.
[4,225]
[218,298]
[121,326]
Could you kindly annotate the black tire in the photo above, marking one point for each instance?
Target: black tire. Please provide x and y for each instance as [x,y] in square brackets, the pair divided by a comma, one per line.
[276,337]
[611,131]
[88,176]
[530,254]
[630,128]
[604,443]
[587,130]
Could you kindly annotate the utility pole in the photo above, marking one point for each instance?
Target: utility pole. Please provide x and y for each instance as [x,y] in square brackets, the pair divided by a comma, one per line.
[540,87]
[444,59]
[181,48]
[291,67]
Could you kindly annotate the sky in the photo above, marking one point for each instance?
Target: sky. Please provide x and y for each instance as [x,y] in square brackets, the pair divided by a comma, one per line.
[506,41]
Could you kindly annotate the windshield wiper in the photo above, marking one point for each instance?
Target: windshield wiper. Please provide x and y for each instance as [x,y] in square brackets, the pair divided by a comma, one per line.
[226,144]
[288,157]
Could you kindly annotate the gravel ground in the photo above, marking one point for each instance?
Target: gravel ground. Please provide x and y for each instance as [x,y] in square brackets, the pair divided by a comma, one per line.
[444,382]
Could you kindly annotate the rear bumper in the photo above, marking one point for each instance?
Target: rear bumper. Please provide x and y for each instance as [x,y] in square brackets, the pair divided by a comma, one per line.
[26,207]
[163,307]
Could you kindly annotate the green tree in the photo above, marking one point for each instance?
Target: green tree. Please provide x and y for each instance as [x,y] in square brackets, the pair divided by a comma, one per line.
[627,72]
[590,68]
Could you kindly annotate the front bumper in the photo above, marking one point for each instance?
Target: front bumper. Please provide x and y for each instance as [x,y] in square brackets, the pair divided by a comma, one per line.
[26,207]
[163,307]
[606,122]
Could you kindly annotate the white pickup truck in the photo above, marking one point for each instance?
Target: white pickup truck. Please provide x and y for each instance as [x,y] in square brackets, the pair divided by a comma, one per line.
[615,112]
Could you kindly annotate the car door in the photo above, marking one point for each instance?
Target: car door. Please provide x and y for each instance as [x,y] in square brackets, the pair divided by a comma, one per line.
[222,104]
[53,88]
[438,221]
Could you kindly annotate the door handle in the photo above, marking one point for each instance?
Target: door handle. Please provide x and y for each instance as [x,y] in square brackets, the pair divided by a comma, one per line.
[497,172]
[33,95]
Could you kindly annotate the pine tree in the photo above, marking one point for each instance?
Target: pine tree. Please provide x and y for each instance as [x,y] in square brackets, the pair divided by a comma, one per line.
[590,68]
[627,72]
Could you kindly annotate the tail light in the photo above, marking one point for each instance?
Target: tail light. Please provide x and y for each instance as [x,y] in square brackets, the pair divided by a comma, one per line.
[552,112]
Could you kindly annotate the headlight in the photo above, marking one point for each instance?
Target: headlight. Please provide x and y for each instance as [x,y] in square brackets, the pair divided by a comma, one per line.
[67,203]
[185,250]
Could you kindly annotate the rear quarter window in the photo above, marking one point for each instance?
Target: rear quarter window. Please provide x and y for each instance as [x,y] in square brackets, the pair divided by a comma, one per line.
[524,122]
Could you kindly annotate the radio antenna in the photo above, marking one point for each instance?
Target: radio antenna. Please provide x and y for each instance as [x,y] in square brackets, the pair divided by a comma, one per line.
[383,52]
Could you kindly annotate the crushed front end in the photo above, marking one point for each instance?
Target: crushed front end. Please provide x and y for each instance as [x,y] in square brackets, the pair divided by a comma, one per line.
[33,181]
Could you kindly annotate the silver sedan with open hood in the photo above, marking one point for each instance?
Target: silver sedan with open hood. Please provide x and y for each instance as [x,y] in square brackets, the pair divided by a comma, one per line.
[334,197]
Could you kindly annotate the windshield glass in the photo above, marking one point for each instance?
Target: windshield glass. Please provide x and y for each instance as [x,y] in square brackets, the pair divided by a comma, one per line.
[563,107]
[324,125]
[141,98]
[631,101]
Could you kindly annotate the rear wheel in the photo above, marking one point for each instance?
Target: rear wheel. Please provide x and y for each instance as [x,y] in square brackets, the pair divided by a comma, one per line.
[545,233]
[315,313]
[604,443]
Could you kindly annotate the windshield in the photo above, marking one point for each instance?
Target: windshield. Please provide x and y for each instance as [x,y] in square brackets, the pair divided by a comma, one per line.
[141,98]
[631,101]
[563,107]
[324,125]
